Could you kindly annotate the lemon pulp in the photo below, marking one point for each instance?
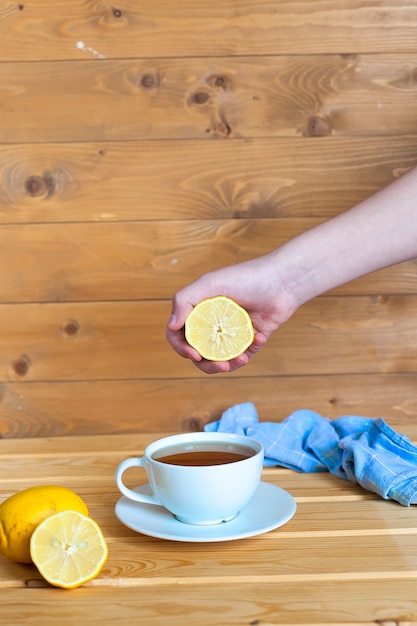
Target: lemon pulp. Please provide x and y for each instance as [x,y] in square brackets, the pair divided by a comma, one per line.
[219,329]
[68,549]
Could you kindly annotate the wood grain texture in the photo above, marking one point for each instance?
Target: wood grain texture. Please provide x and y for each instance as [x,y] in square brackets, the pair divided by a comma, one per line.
[126,340]
[230,605]
[149,260]
[146,180]
[163,28]
[143,145]
[176,98]
[354,565]
[119,406]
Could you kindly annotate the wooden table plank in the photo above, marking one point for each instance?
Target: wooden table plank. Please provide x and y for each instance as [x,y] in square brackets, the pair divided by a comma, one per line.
[346,557]
[160,27]
[149,260]
[74,408]
[127,181]
[175,98]
[322,603]
[118,340]
[266,559]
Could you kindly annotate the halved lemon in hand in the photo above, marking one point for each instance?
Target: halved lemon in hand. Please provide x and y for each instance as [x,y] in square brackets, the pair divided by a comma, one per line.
[68,549]
[219,329]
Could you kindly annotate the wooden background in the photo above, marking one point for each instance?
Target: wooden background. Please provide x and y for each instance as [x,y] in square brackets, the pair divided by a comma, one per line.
[142,144]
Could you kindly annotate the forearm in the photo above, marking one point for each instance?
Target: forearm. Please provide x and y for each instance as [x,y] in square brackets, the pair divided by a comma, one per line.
[379,232]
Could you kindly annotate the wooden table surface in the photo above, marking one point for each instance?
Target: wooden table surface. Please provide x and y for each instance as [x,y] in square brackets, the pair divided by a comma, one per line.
[346,557]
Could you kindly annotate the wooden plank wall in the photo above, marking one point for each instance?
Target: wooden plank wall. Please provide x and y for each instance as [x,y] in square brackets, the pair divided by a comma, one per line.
[142,144]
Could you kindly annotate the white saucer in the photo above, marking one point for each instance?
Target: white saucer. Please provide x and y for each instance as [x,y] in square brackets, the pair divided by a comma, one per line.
[269,508]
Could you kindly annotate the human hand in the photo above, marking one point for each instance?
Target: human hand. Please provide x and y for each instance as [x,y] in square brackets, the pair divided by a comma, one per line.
[255,286]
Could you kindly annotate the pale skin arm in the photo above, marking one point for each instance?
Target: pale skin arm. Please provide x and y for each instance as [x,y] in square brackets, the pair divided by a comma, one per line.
[377,233]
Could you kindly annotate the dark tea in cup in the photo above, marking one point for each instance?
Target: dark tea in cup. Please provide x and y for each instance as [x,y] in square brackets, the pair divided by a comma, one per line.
[201,478]
[198,458]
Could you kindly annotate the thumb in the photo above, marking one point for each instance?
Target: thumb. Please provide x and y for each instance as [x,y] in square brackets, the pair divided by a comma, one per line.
[178,314]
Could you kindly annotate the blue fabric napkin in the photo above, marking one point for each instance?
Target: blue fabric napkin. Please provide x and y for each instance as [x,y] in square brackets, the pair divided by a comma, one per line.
[359,449]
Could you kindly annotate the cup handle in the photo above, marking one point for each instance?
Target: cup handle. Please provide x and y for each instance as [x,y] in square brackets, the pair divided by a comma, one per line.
[129,493]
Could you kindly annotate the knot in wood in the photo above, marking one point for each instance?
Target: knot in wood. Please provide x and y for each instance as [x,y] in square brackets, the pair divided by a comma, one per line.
[192,425]
[40,185]
[200,97]
[35,186]
[223,129]
[71,328]
[316,127]
[219,81]
[117,13]
[21,365]
[149,81]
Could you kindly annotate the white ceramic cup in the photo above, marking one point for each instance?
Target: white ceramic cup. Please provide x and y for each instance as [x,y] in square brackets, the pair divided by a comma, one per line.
[203,495]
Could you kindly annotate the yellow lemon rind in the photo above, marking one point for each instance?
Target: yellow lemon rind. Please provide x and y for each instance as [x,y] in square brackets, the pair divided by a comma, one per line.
[21,513]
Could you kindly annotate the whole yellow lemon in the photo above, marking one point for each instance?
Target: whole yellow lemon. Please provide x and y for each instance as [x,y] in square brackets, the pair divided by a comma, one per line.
[21,513]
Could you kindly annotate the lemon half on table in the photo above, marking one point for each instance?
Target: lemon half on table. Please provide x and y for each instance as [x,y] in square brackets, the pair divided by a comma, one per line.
[68,549]
[219,329]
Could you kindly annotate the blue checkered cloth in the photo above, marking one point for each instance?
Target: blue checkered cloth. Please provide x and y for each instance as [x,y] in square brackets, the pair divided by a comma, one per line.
[362,450]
